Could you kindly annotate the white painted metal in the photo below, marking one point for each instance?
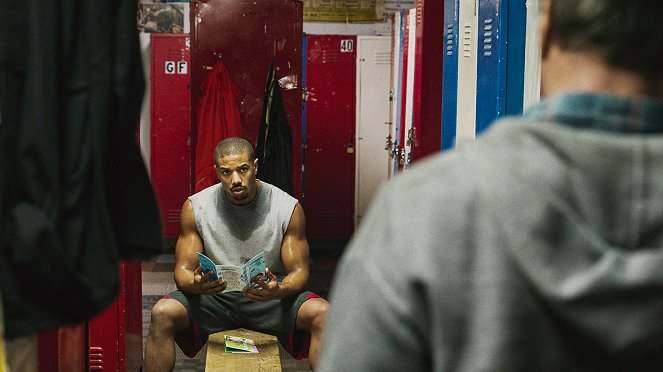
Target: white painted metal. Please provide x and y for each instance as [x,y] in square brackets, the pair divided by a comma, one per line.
[396,90]
[409,92]
[467,72]
[374,60]
[532,93]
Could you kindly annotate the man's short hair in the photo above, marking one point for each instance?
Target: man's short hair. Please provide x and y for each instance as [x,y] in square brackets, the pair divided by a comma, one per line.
[626,34]
[233,146]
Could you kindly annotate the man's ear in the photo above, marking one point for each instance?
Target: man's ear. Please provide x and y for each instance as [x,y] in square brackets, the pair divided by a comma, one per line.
[546,17]
[255,164]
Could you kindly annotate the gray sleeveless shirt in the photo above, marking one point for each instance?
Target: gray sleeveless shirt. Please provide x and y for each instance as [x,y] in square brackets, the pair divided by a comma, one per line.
[232,234]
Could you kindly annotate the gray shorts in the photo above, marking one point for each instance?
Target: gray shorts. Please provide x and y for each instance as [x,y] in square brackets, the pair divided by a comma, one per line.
[211,314]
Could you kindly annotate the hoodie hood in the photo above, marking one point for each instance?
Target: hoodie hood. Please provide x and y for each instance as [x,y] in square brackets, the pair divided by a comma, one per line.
[589,239]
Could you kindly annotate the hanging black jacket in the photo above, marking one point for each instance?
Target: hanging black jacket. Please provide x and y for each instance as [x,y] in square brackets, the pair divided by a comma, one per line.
[274,147]
[74,192]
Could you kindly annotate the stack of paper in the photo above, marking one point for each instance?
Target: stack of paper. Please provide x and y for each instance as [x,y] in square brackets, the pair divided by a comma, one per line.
[236,344]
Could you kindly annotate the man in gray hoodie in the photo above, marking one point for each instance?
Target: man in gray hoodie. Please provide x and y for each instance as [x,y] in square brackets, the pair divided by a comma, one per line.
[539,247]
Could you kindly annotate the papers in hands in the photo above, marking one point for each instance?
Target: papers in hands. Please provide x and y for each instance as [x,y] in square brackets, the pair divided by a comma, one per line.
[207,266]
[236,277]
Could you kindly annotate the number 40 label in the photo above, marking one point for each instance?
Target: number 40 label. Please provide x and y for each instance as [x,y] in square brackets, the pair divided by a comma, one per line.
[347,45]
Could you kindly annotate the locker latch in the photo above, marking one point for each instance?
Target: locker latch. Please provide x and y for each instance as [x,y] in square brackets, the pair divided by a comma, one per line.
[395,151]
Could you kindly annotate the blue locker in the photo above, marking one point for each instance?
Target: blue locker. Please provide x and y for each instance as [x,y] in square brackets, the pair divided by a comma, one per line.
[491,63]
[500,65]
[515,69]
[399,34]
[450,74]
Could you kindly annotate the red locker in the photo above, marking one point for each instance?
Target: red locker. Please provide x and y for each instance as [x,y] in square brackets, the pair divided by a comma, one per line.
[170,122]
[63,349]
[427,107]
[246,35]
[111,341]
[331,63]
[115,337]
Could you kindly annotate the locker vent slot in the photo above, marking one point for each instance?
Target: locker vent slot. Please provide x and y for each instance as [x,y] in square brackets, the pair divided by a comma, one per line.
[450,40]
[330,56]
[96,359]
[173,216]
[420,12]
[488,37]
[329,216]
[382,57]
[467,40]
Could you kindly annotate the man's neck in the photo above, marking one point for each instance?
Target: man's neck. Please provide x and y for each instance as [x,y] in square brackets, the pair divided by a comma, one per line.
[571,72]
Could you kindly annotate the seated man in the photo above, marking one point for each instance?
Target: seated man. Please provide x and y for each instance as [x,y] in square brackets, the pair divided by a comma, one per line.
[231,222]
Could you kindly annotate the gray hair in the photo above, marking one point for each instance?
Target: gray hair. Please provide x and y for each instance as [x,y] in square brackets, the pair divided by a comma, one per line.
[626,34]
[233,146]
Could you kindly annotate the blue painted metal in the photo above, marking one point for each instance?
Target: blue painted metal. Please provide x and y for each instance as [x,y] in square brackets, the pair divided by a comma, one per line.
[399,90]
[450,74]
[515,73]
[491,64]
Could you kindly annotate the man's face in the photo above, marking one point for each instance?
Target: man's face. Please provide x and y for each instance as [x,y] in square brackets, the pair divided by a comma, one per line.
[238,176]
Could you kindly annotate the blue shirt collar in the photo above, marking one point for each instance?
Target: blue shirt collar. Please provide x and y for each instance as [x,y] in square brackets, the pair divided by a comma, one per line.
[601,112]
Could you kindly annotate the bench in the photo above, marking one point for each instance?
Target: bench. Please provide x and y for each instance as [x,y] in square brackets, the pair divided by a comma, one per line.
[267,358]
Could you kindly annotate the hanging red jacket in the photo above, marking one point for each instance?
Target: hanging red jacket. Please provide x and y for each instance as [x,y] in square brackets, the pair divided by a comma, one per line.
[218,118]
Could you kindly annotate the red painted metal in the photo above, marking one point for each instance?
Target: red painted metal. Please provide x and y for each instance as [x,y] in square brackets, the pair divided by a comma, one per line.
[170,139]
[428,78]
[246,35]
[115,336]
[330,130]
[62,349]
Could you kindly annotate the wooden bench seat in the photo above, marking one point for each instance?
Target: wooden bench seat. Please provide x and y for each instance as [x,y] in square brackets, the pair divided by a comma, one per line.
[267,358]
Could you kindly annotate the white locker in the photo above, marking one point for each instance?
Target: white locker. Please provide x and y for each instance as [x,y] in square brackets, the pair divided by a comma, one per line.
[409,92]
[467,72]
[374,62]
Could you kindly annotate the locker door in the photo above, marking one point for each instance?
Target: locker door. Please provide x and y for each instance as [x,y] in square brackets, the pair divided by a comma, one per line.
[532,73]
[515,69]
[450,74]
[491,64]
[467,72]
[397,87]
[500,71]
[427,105]
[372,164]
[170,140]
[330,139]
[409,89]
[115,337]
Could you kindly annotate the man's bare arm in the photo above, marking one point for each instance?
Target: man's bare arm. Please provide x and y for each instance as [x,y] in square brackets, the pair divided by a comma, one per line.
[188,273]
[295,256]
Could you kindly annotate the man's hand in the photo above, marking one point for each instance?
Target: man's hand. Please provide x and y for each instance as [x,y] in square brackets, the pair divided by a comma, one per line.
[202,286]
[266,291]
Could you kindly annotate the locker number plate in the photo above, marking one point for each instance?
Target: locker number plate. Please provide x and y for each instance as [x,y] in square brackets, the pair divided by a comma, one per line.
[347,46]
